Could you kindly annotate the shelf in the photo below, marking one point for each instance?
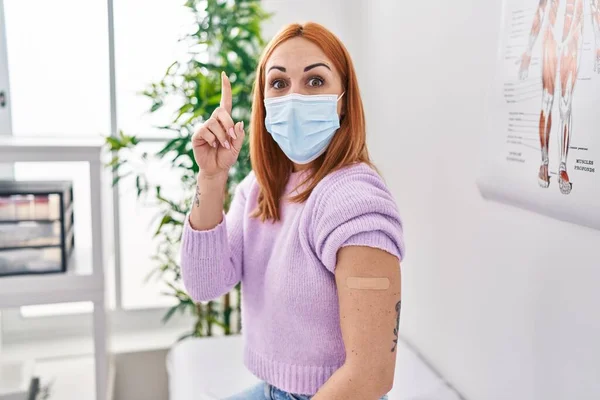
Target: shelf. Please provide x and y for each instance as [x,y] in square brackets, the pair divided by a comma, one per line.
[40,221]
[68,212]
[18,291]
[38,246]
[68,216]
[40,149]
[42,189]
[151,339]
[77,284]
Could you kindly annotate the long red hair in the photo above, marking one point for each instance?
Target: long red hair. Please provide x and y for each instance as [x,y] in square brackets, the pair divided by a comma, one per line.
[348,146]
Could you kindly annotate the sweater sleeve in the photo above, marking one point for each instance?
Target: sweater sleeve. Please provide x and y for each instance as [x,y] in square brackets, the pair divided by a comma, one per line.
[211,260]
[356,209]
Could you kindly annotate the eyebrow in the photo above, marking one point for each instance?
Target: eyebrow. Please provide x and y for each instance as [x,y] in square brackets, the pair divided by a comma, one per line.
[316,65]
[282,69]
[308,68]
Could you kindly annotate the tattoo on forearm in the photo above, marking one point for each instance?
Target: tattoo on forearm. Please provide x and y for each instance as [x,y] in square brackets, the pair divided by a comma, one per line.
[397,325]
[197,196]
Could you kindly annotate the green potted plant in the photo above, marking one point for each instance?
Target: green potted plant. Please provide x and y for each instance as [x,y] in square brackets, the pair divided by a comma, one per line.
[227,37]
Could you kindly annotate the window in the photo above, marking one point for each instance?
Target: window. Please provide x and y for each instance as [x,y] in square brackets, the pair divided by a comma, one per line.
[146,43]
[137,243]
[5,122]
[58,69]
[147,37]
[60,86]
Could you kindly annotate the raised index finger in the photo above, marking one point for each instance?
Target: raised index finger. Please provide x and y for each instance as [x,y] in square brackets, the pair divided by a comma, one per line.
[226,102]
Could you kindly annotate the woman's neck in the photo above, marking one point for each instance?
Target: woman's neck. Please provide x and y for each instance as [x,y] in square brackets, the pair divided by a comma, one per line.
[301,167]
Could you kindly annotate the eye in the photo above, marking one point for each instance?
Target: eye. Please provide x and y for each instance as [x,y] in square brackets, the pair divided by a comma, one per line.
[315,81]
[278,84]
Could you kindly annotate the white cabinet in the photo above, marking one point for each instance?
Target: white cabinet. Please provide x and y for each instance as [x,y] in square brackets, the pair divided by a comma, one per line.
[81,282]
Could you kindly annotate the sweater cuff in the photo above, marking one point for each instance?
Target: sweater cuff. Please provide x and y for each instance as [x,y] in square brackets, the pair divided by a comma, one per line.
[377,240]
[203,245]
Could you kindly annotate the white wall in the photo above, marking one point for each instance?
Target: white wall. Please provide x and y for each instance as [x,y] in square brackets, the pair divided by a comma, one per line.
[503,302]
[337,15]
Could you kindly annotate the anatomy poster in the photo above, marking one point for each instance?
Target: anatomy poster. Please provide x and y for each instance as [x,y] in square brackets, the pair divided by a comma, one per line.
[541,146]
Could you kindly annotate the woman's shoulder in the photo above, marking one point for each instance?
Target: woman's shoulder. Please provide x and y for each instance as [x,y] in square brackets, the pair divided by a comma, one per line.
[353,206]
[354,188]
[358,178]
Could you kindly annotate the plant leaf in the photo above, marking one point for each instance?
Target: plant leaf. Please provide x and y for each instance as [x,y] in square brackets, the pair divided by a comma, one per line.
[186,336]
[170,313]
[117,178]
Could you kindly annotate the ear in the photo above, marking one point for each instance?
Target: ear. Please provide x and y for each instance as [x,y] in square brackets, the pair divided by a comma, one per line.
[342,108]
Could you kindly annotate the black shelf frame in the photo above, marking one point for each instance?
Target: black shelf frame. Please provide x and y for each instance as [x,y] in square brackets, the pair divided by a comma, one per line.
[40,246]
[64,190]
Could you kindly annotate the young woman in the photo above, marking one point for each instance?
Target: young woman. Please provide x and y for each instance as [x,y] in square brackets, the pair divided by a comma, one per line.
[313,233]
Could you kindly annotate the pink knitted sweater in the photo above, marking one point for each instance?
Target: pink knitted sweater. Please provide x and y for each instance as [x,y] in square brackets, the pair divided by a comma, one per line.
[290,310]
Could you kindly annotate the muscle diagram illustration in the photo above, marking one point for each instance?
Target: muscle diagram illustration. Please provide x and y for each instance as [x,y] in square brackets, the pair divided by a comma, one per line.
[561,54]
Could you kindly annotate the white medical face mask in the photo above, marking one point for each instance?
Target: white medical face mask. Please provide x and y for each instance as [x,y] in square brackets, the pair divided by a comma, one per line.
[302,125]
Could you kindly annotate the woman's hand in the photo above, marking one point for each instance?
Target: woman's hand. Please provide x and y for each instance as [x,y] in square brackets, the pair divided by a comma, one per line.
[218,141]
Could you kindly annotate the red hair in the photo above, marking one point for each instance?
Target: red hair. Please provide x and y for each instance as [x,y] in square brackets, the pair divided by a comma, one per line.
[348,146]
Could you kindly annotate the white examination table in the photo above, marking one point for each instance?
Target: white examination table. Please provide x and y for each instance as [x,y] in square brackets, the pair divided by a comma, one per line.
[211,368]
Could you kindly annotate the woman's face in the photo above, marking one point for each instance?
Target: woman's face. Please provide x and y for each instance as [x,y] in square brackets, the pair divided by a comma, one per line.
[300,66]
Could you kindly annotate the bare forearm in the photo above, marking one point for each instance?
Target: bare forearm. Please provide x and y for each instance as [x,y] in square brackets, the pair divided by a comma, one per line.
[349,383]
[207,206]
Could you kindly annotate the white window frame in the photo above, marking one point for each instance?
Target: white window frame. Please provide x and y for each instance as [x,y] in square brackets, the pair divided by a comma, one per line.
[5,86]
[14,327]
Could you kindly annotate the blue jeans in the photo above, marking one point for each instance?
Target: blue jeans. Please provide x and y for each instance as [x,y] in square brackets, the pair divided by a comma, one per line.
[264,391]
